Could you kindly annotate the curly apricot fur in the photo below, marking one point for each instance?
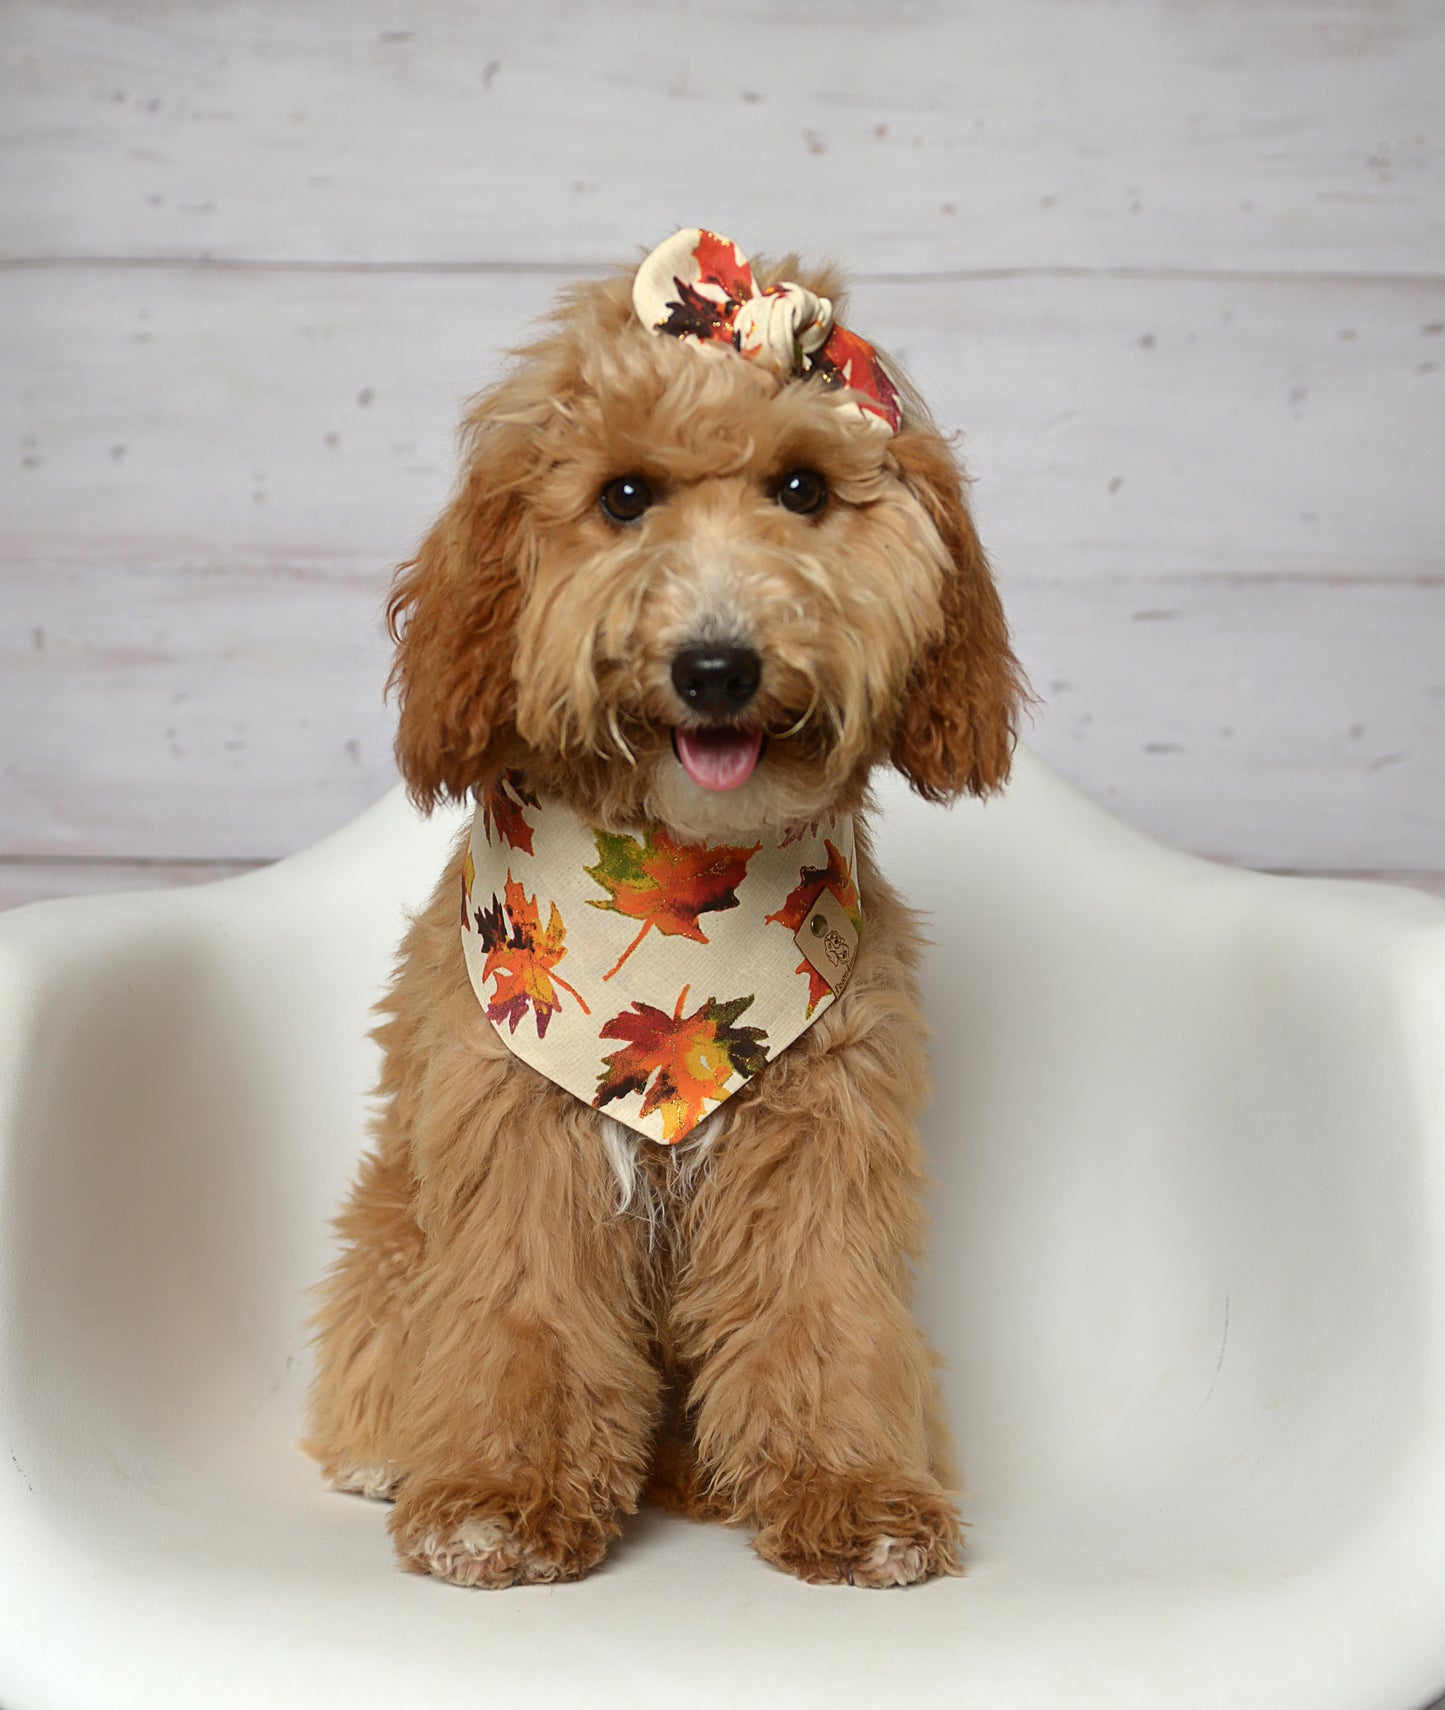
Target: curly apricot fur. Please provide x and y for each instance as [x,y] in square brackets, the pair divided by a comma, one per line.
[501,1348]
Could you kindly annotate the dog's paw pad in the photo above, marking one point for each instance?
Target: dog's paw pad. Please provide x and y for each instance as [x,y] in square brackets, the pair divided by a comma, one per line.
[378,1482]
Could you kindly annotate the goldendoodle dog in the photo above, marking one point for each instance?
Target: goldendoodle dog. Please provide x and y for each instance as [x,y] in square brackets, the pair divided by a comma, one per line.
[645,1194]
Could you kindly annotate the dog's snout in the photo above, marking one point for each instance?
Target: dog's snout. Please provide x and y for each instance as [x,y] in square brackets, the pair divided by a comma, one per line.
[718,679]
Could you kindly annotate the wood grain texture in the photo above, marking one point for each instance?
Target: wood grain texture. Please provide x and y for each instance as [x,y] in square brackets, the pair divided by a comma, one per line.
[216,470]
[1177,270]
[189,711]
[1251,720]
[26,881]
[1258,135]
[1114,425]
[237,712]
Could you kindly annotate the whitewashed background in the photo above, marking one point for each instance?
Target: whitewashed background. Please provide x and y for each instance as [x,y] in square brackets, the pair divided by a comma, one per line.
[1175,269]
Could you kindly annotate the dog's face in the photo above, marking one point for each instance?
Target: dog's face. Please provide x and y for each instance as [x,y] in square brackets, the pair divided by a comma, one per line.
[679,590]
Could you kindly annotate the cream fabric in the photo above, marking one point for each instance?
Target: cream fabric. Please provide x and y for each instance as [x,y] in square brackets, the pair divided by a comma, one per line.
[650,978]
[698,286]
[783,326]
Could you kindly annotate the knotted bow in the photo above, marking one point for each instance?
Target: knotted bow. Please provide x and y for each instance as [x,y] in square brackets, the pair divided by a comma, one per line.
[698,286]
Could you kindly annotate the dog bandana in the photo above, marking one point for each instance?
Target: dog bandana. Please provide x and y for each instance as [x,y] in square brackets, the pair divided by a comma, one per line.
[698,286]
[652,978]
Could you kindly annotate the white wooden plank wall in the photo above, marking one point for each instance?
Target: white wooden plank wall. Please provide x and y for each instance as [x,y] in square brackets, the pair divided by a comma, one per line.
[1175,268]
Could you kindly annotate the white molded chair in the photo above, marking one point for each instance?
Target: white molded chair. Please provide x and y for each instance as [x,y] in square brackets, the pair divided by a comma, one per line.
[1188,1271]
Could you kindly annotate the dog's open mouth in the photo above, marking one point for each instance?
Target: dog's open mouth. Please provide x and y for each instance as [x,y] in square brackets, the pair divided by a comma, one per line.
[720,759]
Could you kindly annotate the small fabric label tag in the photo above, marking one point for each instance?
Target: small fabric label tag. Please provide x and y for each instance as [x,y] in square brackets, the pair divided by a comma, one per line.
[829,940]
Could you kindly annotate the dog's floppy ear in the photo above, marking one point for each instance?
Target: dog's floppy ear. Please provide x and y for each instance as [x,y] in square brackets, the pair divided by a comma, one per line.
[963,701]
[453,615]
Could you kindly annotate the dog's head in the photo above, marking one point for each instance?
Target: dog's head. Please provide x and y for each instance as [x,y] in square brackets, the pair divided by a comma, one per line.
[677,586]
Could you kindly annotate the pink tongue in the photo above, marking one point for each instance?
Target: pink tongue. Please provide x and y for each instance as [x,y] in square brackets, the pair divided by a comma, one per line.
[718,759]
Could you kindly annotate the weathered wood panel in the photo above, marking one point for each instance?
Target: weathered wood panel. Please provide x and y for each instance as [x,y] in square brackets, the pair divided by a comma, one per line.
[26,881]
[1277,724]
[938,135]
[1214,501]
[238,713]
[1114,425]
[214,470]
[188,712]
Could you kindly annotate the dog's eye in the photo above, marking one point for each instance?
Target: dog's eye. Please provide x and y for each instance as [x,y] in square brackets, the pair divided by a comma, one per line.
[626,498]
[804,491]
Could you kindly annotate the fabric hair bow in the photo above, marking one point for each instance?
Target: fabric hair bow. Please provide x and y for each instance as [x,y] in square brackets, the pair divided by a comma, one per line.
[698,286]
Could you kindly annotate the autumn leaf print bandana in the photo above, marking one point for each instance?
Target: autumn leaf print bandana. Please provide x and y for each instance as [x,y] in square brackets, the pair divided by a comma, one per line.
[698,286]
[652,978]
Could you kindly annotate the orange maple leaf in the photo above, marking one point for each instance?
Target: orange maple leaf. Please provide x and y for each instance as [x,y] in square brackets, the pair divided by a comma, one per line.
[812,882]
[693,1058]
[469,873]
[502,805]
[523,960]
[666,884]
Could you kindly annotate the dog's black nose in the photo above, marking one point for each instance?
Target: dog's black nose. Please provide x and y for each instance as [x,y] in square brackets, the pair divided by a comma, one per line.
[717,680]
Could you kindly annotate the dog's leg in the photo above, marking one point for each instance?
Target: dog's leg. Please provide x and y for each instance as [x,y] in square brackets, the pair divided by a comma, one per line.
[483,1346]
[815,1398]
[363,1322]
[527,1420]
[677,1480]
[361,1327]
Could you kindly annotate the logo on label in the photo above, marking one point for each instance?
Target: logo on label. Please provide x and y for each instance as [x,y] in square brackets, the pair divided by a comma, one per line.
[828,939]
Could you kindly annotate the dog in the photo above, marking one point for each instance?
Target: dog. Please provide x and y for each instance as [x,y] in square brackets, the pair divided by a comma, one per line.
[643,1205]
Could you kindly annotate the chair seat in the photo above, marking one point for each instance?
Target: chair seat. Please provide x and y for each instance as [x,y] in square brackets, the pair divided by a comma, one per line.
[1188,1274]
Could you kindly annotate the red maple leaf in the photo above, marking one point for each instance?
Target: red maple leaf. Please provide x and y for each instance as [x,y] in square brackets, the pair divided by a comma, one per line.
[849,361]
[502,805]
[718,263]
[812,882]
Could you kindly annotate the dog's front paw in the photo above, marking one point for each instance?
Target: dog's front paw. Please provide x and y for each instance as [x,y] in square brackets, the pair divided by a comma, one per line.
[498,1532]
[835,1529]
[376,1480]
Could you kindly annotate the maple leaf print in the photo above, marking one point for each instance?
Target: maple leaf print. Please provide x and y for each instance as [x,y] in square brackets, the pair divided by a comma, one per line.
[812,882]
[799,832]
[491,924]
[502,805]
[692,1058]
[666,884]
[690,314]
[523,959]
[469,873]
[718,263]
[849,361]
